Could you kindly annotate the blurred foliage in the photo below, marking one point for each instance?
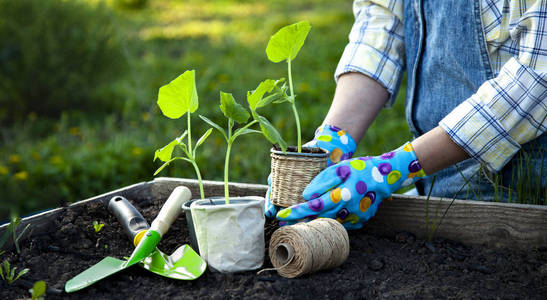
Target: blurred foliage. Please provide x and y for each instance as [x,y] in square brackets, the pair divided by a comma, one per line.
[56,55]
[45,163]
[132,4]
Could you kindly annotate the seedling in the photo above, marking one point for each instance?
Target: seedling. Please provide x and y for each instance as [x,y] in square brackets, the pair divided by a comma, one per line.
[11,230]
[97,226]
[175,99]
[236,113]
[38,290]
[285,45]
[8,274]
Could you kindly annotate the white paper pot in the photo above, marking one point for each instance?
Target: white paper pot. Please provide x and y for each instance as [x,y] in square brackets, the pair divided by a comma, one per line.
[230,236]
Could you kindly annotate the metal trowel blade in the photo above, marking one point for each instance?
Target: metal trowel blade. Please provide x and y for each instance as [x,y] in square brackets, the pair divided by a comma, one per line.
[104,268]
[183,264]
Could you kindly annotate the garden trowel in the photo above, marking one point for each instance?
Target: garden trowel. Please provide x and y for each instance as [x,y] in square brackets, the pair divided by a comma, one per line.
[183,264]
[145,247]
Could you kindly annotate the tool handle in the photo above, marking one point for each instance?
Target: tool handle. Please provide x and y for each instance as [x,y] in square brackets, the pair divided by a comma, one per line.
[129,217]
[171,209]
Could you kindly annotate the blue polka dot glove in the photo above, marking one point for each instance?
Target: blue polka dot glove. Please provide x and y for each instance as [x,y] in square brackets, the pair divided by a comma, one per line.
[331,138]
[352,190]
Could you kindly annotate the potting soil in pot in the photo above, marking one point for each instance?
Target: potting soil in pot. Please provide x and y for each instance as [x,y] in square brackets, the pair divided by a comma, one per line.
[397,266]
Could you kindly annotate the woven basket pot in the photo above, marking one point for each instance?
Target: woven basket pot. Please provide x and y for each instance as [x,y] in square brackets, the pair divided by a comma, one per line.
[291,173]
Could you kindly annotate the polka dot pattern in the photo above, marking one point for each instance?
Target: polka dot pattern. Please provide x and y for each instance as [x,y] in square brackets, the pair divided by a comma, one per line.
[353,190]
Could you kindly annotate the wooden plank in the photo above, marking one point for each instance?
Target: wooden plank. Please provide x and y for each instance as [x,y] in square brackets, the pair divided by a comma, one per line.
[40,222]
[514,226]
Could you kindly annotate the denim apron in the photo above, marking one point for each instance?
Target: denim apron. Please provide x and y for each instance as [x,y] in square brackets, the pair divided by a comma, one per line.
[447,61]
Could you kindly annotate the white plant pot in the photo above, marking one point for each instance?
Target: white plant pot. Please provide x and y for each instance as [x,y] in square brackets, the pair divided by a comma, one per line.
[230,236]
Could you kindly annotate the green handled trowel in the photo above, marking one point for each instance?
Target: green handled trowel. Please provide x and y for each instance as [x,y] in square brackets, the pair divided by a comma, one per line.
[146,246]
[183,264]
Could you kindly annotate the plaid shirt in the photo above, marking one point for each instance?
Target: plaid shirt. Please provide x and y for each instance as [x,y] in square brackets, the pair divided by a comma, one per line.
[506,111]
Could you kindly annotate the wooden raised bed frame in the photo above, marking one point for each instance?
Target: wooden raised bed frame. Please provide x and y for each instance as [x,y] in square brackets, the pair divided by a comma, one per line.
[513,226]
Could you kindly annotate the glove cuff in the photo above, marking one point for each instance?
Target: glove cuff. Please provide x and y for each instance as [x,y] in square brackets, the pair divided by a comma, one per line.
[408,167]
[335,140]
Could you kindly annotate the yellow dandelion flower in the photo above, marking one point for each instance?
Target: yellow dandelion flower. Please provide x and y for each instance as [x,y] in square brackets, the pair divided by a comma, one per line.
[56,160]
[4,170]
[75,131]
[136,151]
[23,175]
[145,116]
[14,158]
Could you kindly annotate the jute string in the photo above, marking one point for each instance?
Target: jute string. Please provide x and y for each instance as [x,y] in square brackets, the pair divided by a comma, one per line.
[291,175]
[308,247]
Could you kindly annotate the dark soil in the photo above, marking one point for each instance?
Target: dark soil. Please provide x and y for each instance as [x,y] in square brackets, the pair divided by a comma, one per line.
[398,266]
[294,149]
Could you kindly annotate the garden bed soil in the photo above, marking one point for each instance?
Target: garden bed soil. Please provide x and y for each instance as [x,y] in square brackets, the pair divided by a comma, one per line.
[379,266]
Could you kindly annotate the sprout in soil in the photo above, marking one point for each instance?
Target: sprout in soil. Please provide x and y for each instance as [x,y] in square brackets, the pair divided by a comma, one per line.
[236,113]
[284,45]
[175,99]
[8,274]
[11,230]
[97,226]
[38,290]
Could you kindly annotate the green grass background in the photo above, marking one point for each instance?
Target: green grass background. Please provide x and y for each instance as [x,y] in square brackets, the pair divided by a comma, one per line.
[47,162]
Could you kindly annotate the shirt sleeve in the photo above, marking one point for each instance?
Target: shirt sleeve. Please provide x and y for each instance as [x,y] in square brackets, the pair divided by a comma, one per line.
[376,44]
[510,109]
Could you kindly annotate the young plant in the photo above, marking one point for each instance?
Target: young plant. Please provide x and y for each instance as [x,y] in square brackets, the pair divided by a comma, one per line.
[11,230]
[284,45]
[38,290]
[97,226]
[236,113]
[8,274]
[175,99]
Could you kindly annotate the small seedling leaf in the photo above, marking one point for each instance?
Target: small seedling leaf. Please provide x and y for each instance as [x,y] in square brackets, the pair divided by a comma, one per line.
[21,273]
[169,161]
[215,125]
[165,153]
[286,43]
[179,96]
[243,131]
[233,110]
[271,133]
[254,97]
[202,139]
[38,290]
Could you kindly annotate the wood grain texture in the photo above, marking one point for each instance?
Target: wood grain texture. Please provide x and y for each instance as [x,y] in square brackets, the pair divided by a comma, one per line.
[513,226]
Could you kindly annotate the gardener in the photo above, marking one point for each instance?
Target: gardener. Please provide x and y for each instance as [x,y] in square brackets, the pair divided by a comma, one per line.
[476,101]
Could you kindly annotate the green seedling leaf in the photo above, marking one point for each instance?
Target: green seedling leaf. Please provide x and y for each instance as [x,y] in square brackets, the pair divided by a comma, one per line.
[179,96]
[97,226]
[169,161]
[38,290]
[254,97]
[286,43]
[233,110]
[243,131]
[165,153]
[202,139]
[21,273]
[271,133]
[215,125]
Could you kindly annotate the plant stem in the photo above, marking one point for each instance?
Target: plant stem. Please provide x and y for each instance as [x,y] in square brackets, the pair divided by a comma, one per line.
[227,162]
[293,103]
[198,174]
[190,137]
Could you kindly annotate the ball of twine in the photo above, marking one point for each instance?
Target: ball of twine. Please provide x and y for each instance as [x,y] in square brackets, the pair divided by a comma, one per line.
[308,247]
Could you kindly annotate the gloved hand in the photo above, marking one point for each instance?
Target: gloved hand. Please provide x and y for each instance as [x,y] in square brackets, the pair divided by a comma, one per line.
[331,138]
[352,190]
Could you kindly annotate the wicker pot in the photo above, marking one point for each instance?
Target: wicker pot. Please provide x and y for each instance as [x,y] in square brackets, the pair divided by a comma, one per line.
[291,173]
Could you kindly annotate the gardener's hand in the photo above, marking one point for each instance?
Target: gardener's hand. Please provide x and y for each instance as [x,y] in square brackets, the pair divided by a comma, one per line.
[330,138]
[352,190]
